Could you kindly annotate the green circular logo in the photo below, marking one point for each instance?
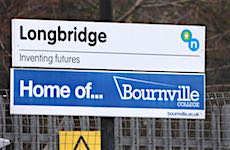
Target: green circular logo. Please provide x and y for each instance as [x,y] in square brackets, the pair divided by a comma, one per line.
[186,35]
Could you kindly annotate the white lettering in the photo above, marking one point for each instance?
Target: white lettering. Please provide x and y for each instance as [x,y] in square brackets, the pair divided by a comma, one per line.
[127,91]
[88,87]
[194,95]
[80,92]
[37,90]
[137,94]
[51,89]
[172,93]
[162,95]
[65,91]
[183,94]
[24,88]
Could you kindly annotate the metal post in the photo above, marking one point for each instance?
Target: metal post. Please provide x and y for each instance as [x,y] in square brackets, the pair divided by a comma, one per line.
[107,124]
[106,10]
[107,133]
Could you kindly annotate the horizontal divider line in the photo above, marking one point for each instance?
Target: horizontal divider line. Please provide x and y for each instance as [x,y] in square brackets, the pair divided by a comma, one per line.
[112,53]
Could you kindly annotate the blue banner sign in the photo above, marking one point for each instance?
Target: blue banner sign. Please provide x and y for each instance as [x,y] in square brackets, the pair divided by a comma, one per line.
[101,93]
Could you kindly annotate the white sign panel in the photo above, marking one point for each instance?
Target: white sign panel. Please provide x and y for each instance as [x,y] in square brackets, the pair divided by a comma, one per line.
[116,46]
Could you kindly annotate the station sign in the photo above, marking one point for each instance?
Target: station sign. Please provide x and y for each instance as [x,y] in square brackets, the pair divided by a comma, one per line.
[107,93]
[113,46]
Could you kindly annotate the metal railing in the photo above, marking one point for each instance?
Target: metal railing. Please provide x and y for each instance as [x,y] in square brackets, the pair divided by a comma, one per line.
[31,132]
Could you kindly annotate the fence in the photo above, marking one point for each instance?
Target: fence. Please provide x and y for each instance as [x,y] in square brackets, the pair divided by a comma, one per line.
[28,132]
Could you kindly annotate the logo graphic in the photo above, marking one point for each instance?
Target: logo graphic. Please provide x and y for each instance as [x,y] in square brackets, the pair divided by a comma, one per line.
[143,90]
[193,43]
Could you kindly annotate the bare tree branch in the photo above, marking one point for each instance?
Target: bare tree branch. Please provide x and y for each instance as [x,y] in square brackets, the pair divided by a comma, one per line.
[217,49]
[131,10]
[218,68]
[153,3]
[92,3]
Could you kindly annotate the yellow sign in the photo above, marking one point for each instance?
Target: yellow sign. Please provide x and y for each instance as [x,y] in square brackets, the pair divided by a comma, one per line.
[79,140]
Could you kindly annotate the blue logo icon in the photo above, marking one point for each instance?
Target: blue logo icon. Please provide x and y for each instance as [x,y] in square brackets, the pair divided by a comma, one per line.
[193,43]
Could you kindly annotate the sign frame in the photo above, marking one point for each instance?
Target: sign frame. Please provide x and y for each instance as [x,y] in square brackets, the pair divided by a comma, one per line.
[105,111]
